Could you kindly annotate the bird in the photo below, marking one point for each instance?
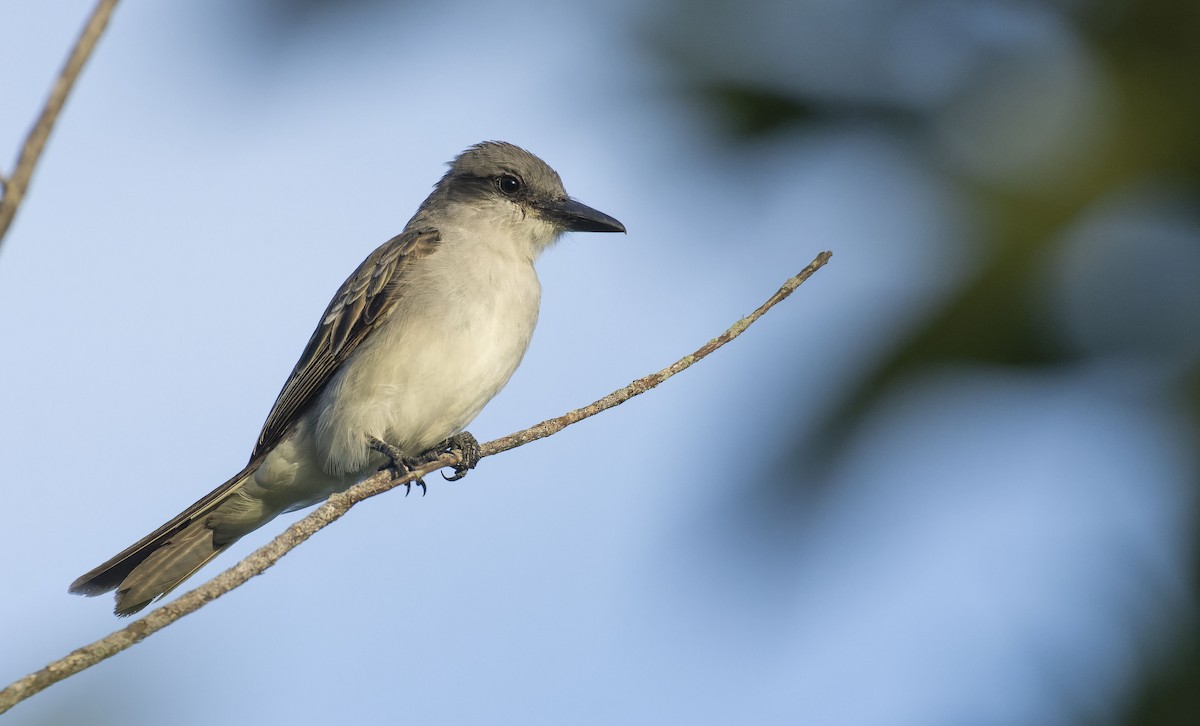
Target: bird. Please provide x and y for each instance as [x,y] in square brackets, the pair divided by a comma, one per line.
[413,345]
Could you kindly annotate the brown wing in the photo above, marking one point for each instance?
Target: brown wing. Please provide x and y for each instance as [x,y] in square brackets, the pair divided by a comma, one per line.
[364,300]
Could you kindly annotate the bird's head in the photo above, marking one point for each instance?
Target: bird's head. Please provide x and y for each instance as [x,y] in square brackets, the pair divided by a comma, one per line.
[523,189]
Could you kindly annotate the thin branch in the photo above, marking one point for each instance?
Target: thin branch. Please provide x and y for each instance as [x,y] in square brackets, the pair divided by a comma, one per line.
[15,186]
[339,504]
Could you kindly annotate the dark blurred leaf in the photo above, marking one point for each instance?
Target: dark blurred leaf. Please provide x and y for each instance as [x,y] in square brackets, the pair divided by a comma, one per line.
[1149,54]
[1170,696]
[751,112]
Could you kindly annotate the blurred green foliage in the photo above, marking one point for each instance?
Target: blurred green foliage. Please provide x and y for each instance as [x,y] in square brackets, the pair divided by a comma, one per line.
[1147,55]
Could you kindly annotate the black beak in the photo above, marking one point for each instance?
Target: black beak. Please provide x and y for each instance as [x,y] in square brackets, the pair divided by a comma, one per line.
[576,217]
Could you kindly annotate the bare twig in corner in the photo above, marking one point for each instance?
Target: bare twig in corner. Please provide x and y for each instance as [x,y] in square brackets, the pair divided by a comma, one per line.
[339,504]
[14,186]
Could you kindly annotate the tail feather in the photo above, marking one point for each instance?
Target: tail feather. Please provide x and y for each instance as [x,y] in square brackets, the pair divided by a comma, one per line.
[166,567]
[160,561]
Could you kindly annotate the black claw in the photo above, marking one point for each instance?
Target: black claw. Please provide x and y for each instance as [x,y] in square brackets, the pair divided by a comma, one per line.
[419,482]
[464,443]
[404,465]
[468,448]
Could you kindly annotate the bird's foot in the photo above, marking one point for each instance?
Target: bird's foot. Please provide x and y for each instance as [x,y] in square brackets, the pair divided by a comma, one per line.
[404,465]
[468,449]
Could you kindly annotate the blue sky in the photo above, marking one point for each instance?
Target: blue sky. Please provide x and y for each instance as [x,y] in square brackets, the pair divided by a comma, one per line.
[200,201]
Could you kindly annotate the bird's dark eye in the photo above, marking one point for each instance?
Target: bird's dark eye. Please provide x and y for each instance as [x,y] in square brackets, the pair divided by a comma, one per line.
[508,184]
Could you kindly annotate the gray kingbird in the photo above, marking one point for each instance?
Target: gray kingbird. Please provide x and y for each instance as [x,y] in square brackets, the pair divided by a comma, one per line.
[415,342]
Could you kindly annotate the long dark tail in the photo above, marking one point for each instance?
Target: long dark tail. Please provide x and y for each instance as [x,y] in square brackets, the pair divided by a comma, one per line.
[160,561]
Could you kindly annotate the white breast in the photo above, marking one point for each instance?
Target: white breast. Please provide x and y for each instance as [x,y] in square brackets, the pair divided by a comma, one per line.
[457,335]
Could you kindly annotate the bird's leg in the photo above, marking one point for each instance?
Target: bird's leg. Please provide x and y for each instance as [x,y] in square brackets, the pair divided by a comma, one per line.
[403,464]
[468,447]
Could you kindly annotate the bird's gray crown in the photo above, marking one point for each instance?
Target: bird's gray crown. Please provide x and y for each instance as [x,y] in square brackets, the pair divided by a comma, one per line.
[492,158]
[498,173]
